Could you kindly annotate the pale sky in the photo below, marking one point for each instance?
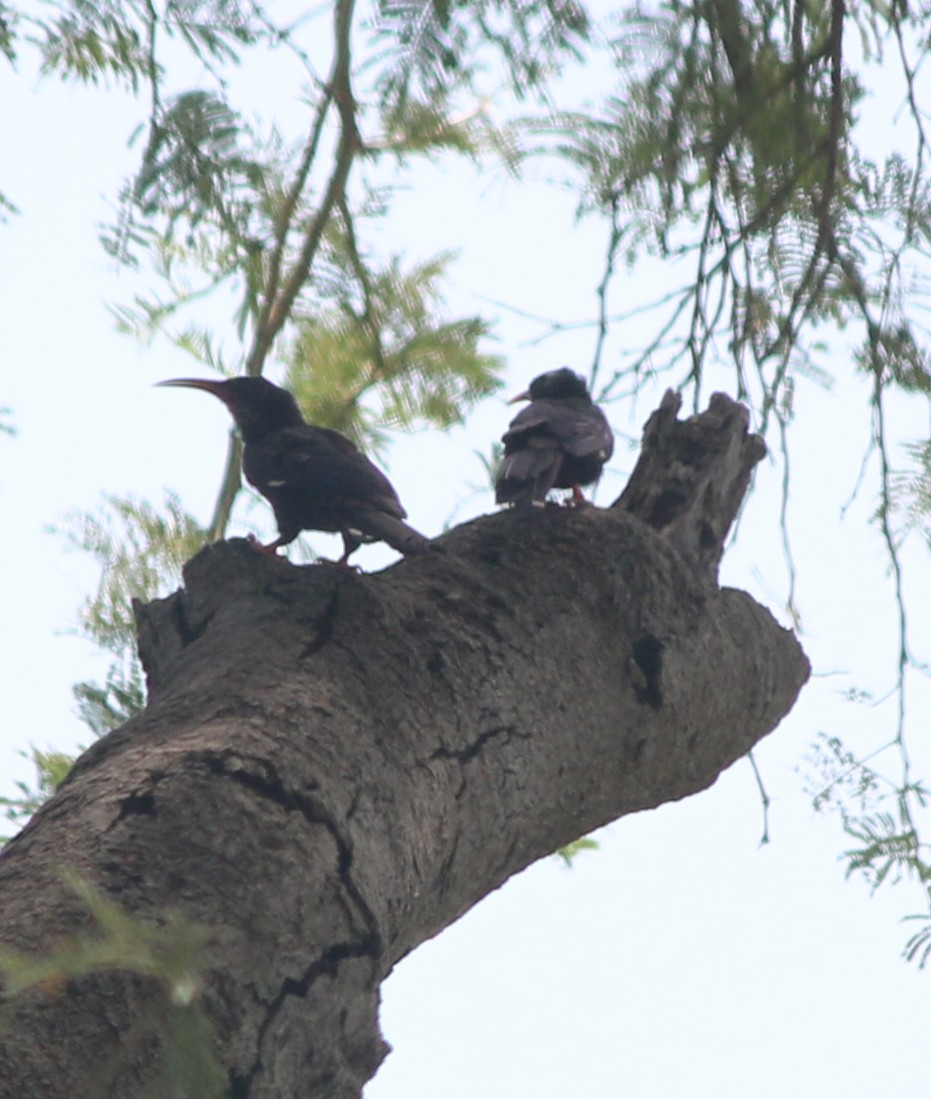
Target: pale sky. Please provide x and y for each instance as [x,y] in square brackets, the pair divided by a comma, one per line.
[680,959]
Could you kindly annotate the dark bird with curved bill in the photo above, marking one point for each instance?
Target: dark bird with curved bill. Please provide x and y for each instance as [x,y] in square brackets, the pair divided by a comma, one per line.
[561,439]
[313,477]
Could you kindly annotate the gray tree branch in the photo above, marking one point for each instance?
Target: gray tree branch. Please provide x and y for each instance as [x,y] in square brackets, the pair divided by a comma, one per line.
[333,767]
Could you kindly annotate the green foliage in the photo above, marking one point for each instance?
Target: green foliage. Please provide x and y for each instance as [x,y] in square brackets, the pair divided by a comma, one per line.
[881,816]
[911,492]
[8,19]
[194,165]
[94,42]
[431,46]
[569,853]
[887,846]
[491,460]
[171,954]
[51,768]
[91,44]
[7,209]
[918,947]
[105,706]
[894,352]
[414,127]
[380,357]
[726,151]
[141,549]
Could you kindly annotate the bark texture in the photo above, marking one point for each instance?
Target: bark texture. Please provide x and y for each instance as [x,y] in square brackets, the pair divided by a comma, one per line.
[332,766]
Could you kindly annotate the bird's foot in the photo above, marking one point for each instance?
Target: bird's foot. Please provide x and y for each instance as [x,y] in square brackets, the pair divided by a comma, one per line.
[577,499]
[343,563]
[271,550]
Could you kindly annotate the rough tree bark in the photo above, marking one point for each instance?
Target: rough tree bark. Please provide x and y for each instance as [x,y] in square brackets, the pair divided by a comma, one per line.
[332,767]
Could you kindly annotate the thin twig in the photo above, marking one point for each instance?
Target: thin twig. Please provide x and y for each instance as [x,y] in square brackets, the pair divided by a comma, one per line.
[614,241]
[281,295]
[764,798]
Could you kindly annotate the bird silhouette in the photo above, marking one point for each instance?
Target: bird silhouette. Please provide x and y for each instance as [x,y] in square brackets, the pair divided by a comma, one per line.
[313,477]
[560,440]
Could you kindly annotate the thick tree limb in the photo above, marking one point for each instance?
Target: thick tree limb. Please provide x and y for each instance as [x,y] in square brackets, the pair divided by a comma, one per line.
[692,477]
[332,767]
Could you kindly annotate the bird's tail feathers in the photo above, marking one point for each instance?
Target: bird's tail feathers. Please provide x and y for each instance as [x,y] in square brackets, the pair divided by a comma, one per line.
[525,477]
[396,533]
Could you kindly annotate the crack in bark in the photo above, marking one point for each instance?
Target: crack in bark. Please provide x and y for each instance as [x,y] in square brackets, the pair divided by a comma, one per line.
[369,943]
[187,633]
[271,786]
[466,755]
[327,965]
[325,626]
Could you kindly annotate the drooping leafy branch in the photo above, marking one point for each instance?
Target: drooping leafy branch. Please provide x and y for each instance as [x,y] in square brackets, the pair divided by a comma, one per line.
[730,154]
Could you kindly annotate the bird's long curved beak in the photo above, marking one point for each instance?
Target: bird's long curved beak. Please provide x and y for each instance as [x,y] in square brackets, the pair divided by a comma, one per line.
[216,388]
[525,396]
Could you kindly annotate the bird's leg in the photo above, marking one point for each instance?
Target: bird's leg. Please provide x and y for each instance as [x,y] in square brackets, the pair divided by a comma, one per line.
[350,544]
[578,497]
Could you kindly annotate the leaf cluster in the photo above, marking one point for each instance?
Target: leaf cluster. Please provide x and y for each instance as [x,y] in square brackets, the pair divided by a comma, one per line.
[727,151]
[380,357]
[51,769]
[195,166]
[911,492]
[428,47]
[571,851]
[118,40]
[141,548]
[171,955]
[881,816]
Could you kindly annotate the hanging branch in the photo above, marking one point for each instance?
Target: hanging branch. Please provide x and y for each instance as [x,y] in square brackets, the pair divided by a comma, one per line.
[280,295]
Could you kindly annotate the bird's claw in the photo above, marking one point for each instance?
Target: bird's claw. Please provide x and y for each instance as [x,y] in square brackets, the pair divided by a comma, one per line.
[271,550]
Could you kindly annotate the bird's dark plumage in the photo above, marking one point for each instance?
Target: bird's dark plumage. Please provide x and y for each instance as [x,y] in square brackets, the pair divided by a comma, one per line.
[560,440]
[314,478]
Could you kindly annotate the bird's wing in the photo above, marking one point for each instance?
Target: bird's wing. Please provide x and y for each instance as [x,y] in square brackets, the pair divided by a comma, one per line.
[586,432]
[327,465]
[578,432]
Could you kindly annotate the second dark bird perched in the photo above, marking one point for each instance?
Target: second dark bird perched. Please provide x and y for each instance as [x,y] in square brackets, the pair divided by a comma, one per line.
[560,440]
[313,477]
